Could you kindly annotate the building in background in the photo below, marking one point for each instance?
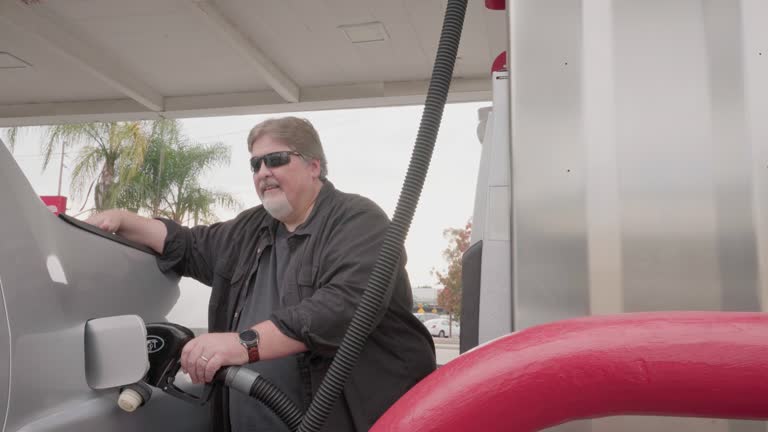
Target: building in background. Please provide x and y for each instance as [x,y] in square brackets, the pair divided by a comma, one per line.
[425,299]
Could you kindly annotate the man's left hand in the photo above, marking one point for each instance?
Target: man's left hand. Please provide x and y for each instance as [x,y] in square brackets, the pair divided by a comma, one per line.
[206,354]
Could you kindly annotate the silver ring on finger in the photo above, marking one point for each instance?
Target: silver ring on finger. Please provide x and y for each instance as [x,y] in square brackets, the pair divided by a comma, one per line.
[204,358]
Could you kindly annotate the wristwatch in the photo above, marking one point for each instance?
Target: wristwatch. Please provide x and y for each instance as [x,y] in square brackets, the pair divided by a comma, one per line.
[249,339]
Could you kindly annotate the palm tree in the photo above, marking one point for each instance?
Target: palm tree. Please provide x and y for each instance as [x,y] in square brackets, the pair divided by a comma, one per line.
[167,183]
[112,159]
[111,154]
[150,167]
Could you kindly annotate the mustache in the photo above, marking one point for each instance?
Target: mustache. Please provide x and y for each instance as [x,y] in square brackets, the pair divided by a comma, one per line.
[267,183]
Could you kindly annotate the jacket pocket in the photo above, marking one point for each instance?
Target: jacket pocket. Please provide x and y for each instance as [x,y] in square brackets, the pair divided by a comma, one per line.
[306,281]
[225,276]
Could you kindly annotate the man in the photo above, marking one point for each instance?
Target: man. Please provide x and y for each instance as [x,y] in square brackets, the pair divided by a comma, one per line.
[286,277]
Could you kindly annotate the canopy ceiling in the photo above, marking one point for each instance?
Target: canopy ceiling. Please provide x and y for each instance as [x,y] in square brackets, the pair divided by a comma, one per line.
[86,60]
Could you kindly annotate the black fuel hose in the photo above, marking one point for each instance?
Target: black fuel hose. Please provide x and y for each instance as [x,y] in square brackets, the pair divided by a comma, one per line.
[254,385]
[379,290]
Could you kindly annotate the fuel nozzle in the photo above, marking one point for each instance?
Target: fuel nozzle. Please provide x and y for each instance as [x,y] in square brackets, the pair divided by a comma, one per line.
[164,344]
[165,341]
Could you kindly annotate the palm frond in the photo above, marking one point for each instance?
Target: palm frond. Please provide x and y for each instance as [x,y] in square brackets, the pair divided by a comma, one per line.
[132,149]
[226,200]
[87,165]
[12,134]
[66,135]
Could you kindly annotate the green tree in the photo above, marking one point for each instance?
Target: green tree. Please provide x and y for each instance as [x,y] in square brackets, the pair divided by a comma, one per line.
[449,297]
[149,167]
[106,150]
[168,179]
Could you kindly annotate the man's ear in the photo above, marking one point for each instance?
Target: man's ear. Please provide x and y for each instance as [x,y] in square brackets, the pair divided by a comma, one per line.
[314,165]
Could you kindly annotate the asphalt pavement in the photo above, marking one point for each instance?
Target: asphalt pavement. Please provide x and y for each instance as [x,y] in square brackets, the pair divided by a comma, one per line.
[446,349]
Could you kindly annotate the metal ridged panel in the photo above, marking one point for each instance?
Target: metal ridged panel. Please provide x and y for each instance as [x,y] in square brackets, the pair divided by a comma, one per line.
[668,115]
[551,278]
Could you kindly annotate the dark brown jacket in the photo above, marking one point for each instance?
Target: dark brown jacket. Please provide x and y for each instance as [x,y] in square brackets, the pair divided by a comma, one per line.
[339,244]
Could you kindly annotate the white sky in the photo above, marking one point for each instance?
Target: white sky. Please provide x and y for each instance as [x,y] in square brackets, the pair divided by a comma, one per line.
[368,151]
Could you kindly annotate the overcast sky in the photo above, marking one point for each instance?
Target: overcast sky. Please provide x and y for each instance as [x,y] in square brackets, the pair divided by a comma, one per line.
[368,151]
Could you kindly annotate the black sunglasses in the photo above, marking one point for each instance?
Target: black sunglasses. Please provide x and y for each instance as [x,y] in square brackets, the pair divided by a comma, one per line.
[272,160]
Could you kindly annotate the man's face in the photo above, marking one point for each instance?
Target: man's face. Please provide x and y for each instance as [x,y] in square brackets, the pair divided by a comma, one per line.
[285,191]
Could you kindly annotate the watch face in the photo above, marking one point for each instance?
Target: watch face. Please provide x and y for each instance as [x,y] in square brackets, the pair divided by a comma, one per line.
[249,336]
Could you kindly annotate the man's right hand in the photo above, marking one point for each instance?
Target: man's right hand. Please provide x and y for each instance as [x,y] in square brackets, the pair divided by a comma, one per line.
[108,221]
[146,231]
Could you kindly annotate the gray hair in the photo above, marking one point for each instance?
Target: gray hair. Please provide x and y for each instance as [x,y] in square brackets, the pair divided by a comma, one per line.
[296,133]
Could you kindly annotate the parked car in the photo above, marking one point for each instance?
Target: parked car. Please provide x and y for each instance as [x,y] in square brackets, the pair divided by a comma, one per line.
[439,327]
[426,316]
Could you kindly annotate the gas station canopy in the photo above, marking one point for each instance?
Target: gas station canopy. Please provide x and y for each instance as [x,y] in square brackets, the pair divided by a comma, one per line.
[86,60]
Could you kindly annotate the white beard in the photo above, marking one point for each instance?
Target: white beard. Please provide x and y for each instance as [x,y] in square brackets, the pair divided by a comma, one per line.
[277,206]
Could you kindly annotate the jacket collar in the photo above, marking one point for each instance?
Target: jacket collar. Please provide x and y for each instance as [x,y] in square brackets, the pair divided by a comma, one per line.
[321,202]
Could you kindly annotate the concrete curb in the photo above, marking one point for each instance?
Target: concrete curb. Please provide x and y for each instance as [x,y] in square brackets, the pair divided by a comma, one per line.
[447,346]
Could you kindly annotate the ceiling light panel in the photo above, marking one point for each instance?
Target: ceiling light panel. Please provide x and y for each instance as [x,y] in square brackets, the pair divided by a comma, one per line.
[367,32]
